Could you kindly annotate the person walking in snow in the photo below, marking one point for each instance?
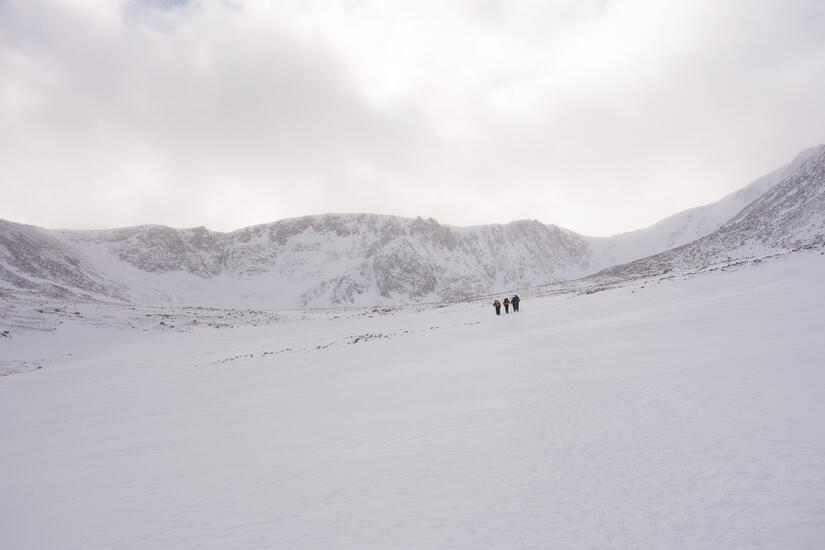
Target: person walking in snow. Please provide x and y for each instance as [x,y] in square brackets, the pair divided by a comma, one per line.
[507,305]
[515,302]
[497,305]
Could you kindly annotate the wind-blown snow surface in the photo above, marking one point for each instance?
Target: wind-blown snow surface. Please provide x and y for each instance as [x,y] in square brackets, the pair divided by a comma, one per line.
[680,414]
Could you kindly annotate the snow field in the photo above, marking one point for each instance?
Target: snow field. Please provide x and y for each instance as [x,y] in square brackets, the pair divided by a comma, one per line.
[685,414]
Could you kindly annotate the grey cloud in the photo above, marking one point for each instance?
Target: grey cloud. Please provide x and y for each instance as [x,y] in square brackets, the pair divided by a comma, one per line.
[206,112]
[242,108]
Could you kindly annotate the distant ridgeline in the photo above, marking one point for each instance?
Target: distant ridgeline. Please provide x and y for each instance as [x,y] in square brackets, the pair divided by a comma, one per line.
[364,259]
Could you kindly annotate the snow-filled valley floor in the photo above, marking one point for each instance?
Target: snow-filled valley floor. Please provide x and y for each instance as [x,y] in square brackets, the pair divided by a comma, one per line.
[684,413]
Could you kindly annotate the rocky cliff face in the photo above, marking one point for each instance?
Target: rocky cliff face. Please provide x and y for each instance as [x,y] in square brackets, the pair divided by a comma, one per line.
[787,216]
[158,249]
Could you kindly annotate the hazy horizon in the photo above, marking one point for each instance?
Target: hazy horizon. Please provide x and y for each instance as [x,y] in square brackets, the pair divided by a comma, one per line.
[441,222]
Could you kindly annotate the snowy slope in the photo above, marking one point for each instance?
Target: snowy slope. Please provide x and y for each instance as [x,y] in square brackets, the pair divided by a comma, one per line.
[686,414]
[36,261]
[790,216]
[692,224]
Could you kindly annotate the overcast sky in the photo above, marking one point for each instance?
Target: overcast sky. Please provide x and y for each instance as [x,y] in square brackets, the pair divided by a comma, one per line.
[600,116]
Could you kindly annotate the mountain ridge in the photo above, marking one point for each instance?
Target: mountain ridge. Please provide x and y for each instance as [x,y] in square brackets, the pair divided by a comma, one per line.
[372,259]
[787,217]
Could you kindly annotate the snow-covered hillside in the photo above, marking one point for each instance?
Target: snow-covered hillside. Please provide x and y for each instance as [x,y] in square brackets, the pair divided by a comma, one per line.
[692,224]
[37,261]
[364,259]
[789,216]
[356,259]
[684,414]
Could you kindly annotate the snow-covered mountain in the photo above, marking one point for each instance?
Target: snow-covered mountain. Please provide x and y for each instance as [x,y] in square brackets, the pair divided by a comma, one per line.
[691,224]
[365,259]
[788,216]
[37,260]
[332,259]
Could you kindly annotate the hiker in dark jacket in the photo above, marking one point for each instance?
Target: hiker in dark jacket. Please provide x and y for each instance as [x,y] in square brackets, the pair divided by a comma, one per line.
[497,305]
[515,302]
[507,305]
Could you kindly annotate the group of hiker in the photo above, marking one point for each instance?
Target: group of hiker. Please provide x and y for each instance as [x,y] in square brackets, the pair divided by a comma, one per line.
[507,302]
